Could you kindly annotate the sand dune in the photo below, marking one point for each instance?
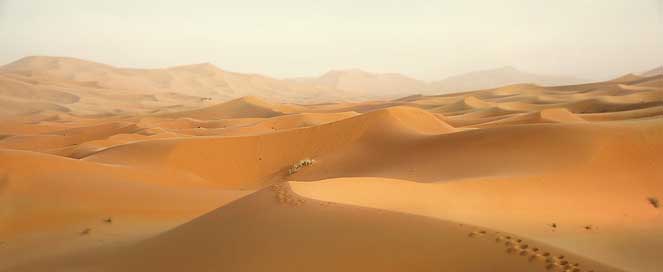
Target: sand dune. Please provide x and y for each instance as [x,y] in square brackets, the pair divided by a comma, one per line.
[654,81]
[552,115]
[244,107]
[270,125]
[67,137]
[464,104]
[527,206]
[131,91]
[238,162]
[114,169]
[11,87]
[257,228]
[56,197]
[90,147]
[26,95]
[48,201]
[624,115]
[402,131]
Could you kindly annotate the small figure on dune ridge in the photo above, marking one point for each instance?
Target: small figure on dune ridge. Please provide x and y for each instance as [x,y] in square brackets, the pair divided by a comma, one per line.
[653,201]
[108,220]
[86,231]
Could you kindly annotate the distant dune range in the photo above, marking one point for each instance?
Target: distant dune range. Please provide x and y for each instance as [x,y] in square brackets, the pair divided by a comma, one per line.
[110,169]
[60,84]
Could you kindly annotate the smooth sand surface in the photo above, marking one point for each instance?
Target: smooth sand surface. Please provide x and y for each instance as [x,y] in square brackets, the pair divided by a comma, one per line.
[250,235]
[113,169]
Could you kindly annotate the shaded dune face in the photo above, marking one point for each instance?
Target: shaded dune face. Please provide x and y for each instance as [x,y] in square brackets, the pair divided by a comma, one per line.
[515,178]
[55,196]
[253,160]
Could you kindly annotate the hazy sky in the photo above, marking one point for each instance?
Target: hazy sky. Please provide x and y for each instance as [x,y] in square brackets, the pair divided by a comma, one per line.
[424,39]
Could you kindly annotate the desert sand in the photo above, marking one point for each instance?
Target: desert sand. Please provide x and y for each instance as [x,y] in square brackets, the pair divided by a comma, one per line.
[193,168]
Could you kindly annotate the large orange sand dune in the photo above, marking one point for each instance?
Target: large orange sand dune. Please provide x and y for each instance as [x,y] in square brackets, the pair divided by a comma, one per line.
[110,170]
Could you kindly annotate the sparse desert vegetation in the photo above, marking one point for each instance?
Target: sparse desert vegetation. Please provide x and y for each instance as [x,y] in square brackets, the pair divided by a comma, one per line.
[653,201]
[299,165]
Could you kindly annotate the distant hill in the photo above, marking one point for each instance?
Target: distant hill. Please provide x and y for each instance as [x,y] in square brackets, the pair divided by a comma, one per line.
[367,85]
[203,80]
[653,72]
[626,78]
[207,80]
[494,78]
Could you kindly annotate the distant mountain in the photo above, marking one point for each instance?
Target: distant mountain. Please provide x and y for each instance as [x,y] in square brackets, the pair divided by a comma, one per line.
[208,81]
[494,78]
[203,80]
[653,72]
[365,84]
[626,78]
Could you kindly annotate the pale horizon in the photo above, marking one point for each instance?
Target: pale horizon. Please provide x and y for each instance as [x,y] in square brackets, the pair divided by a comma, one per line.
[425,40]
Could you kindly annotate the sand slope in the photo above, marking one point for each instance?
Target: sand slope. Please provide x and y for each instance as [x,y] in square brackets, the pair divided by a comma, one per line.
[253,160]
[47,201]
[250,235]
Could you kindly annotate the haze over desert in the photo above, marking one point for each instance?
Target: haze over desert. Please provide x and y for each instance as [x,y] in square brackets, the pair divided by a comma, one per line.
[505,145]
